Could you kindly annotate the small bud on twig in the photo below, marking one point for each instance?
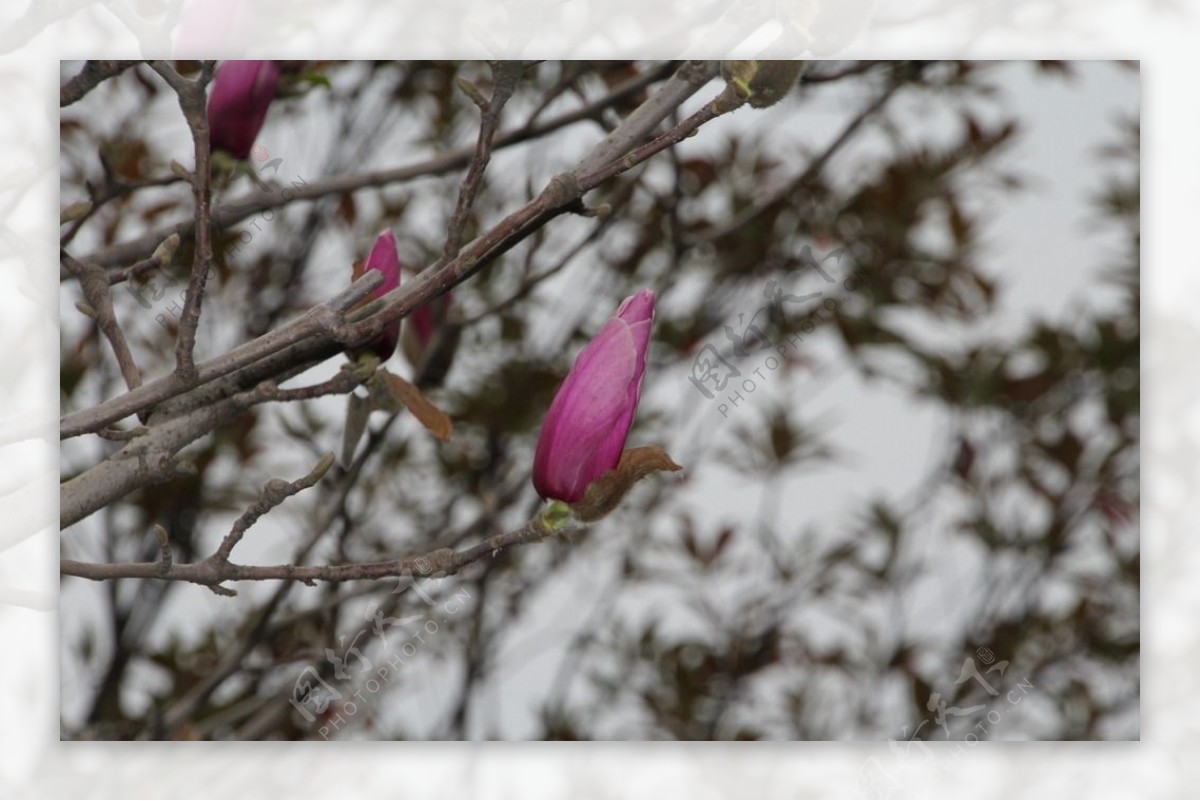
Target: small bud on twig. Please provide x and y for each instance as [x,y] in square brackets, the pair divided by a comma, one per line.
[74,212]
[762,83]
[472,91]
[165,252]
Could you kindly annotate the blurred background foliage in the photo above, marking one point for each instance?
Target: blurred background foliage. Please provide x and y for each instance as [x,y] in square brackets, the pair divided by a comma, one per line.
[663,621]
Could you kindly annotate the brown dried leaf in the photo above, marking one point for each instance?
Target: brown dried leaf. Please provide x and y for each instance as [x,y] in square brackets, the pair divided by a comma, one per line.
[422,408]
[603,494]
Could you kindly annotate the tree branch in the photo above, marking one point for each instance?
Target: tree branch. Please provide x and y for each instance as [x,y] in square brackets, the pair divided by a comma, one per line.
[94,283]
[505,75]
[193,103]
[213,572]
[686,81]
[320,333]
[255,202]
[321,318]
[274,493]
[92,75]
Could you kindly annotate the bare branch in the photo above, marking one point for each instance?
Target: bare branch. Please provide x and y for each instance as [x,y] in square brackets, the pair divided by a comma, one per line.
[253,203]
[94,283]
[212,572]
[193,103]
[347,379]
[506,74]
[92,75]
[646,117]
[274,493]
[112,188]
[318,319]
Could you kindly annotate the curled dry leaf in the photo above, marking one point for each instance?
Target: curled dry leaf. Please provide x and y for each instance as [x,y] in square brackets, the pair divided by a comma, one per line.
[603,494]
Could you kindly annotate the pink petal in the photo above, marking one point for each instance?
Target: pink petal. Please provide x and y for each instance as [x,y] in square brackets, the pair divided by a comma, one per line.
[577,444]
[589,420]
[242,92]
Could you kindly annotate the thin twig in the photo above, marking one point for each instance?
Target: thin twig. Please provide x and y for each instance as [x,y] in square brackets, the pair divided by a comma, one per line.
[505,75]
[638,126]
[193,103]
[162,257]
[112,189]
[317,319]
[253,203]
[92,75]
[345,381]
[274,493]
[94,283]
[213,572]
[118,435]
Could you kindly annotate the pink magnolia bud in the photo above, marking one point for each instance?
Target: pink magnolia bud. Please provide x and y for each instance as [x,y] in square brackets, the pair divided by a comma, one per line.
[585,430]
[242,92]
[386,260]
[425,318]
[430,340]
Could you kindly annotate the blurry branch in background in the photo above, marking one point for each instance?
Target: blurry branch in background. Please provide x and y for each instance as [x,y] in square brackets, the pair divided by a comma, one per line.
[814,168]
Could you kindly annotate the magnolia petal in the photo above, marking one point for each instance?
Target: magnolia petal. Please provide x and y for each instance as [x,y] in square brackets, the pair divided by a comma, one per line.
[575,445]
[385,259]
[242,93]
[589,420]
